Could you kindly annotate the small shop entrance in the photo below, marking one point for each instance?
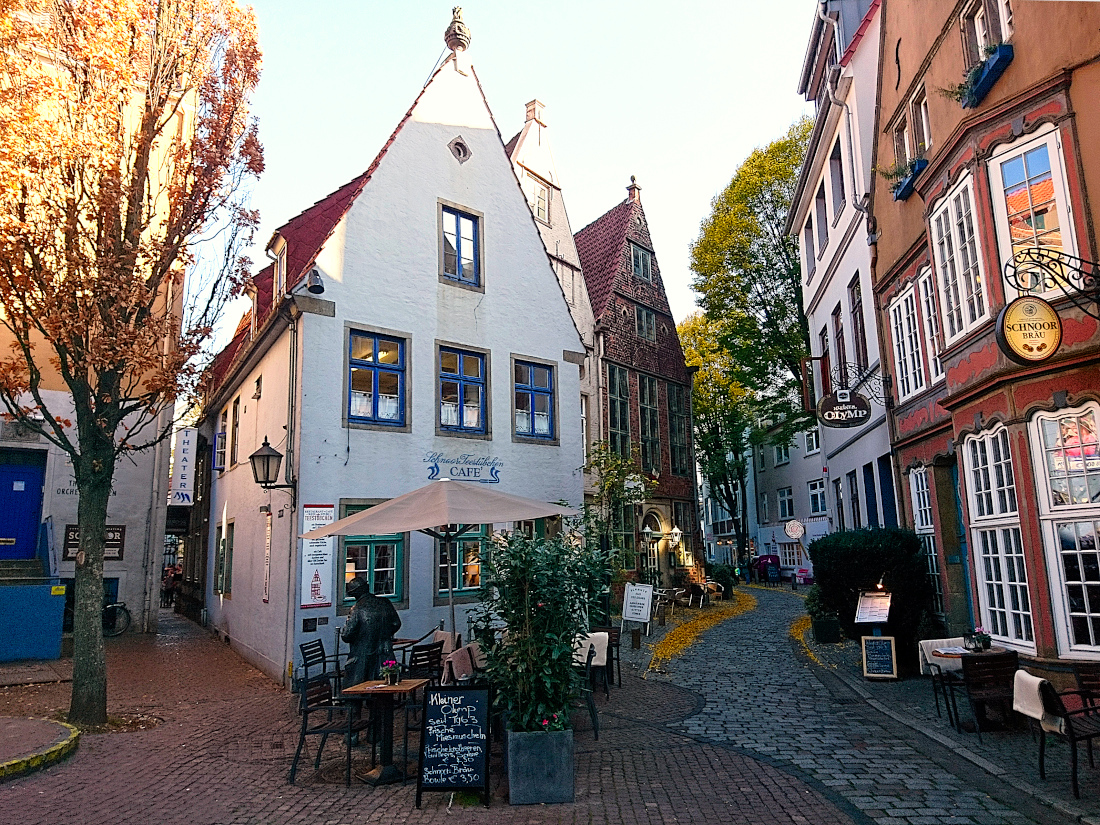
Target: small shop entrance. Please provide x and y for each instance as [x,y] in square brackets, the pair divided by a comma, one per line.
[22,476]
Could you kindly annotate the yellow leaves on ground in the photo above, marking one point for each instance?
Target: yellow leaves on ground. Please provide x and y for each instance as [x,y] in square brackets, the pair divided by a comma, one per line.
[687,633]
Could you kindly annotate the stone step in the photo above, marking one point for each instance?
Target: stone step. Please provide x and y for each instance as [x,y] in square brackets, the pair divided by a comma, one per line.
[21,571]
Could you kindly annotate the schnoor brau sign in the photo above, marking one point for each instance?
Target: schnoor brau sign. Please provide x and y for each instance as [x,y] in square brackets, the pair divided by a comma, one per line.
[843,408]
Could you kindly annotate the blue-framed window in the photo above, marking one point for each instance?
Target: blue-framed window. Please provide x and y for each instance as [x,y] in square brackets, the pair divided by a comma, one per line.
[534,392]
[461,391]
[465,566]
[460,246]
[379,560]
[376,379]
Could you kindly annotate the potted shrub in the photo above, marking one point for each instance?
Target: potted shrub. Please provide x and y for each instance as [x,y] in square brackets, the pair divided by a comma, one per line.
[826,625]
[981,77]
[903,175]
[541,590]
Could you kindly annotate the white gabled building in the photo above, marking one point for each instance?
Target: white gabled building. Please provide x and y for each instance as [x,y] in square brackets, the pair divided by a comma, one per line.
[829,216]
[441,347]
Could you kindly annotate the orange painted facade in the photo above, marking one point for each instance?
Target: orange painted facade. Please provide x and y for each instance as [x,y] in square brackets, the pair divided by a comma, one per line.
[1009,452]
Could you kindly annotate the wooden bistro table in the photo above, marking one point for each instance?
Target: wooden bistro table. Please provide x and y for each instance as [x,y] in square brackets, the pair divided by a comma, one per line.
[952,676]
[383,695]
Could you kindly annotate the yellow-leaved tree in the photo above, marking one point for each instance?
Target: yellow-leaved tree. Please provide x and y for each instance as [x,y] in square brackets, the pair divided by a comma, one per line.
[125,153]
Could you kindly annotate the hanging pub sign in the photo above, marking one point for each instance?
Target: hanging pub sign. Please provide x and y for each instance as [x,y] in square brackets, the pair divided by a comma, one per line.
[844,408]
[1029,330]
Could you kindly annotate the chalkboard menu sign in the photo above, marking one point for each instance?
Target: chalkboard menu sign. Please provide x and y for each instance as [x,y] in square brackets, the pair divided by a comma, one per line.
[772,571]
[454,741]
[879,657]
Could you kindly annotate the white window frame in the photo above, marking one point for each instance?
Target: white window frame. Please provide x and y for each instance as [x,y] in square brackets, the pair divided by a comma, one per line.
[960,272]
[1051,517]
[782,454]
[813,441]
[922,126]
[785,497]
[540,207]
[924,527]
[930,318]
[764,518]
[818,504]
[906,336]
[1004,598]
[1051,137]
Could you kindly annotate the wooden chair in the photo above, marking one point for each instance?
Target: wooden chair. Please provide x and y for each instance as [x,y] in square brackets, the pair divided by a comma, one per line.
[323,713]
[315,657]
[1048,712]
[426,662]
[1087,675]
[586,689]
[988,679]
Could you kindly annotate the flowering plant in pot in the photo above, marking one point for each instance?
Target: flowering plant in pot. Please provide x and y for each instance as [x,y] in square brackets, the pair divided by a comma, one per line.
[391,671]
[541,591]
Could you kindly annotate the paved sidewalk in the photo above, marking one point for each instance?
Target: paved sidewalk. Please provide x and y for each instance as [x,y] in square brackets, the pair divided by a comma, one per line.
[221,754]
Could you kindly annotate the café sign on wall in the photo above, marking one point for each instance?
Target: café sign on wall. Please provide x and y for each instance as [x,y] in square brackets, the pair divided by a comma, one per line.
[844,408]
[1029,330]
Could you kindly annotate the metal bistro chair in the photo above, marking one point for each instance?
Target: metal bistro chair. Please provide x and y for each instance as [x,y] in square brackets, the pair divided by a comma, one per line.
[945,673]
[1036,698]
[614,669]
[323,713]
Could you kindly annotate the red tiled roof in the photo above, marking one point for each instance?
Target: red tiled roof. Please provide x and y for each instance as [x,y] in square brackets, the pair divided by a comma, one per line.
[305,235]
[860,32]
[600,247]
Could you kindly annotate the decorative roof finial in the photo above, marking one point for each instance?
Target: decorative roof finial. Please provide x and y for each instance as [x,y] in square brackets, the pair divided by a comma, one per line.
[634,191]
[457,36]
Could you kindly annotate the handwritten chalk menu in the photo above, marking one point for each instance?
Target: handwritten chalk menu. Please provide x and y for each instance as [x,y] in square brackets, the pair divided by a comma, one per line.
[637,602]
[873,608]
[879,657]
[454,743]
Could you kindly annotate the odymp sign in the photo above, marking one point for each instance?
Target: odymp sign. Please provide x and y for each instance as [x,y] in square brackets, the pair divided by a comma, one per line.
[843,408]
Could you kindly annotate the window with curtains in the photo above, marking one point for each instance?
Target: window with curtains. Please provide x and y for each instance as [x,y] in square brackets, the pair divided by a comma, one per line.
[534,399]
[462,397]
[996,540]
[376,379]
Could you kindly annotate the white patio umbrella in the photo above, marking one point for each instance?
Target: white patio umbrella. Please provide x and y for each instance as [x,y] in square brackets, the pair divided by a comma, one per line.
[444,510]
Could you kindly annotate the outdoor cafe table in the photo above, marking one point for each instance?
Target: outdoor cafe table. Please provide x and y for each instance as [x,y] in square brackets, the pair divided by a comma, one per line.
[383,694]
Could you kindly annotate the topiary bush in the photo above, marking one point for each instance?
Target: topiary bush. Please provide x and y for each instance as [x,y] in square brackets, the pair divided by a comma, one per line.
[850,562]
[723,574]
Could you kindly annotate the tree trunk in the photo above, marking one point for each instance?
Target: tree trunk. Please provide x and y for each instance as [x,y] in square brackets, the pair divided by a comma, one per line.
[88,705]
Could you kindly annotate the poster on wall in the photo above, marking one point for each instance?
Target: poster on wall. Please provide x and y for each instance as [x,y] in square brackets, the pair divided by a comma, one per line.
[267,559]
[317,557]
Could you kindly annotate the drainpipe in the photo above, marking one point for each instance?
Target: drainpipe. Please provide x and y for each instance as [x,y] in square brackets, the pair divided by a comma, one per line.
[830,87]
[288,475]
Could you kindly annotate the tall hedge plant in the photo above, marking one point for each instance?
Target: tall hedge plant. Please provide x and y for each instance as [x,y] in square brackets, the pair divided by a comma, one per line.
[847,563]
[542,592]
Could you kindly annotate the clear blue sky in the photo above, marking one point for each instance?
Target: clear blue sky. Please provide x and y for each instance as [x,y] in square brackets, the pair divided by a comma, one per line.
[675,96]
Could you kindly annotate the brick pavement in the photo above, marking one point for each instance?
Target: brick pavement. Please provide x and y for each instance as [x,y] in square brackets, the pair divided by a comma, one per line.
[877,745]
[222,752]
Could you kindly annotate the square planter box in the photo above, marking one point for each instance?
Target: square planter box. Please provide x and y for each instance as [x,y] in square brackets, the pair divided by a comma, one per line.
[540,767]
[904,187]
[826,631]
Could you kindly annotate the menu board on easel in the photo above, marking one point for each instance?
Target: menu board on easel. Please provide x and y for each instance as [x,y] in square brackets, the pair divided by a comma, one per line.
[873,608]
[454,741]
[880,659]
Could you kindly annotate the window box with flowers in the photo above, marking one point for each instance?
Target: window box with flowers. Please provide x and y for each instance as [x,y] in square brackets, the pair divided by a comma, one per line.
[902,176]
[981,77]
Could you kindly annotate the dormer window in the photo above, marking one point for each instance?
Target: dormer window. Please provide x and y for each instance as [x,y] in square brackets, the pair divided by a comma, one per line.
[539,195]
[642,262]
[278,277]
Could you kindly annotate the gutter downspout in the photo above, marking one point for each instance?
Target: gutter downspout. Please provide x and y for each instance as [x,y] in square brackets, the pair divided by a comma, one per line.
[860,205]
[288,475]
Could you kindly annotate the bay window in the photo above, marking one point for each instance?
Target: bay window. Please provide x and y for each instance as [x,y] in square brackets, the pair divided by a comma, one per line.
[957,255]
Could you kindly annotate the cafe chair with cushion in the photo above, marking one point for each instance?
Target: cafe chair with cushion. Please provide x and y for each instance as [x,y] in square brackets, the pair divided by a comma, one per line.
[945,672]
[323,713]
[988,679]
[451,641]
[614,670]
[583,655]
[1045,708]
[458,668]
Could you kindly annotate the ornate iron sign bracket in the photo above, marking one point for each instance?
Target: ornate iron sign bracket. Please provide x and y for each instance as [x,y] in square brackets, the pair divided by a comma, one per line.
[1040,270]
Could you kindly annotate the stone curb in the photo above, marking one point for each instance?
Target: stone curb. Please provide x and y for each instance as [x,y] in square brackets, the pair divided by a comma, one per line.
[44,758]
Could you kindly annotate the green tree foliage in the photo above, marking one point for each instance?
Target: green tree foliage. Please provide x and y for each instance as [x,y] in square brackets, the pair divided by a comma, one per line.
[618,482]
[722,416]
[748,277]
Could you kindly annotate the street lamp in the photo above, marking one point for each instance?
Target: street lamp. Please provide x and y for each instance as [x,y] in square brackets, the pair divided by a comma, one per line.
[265,467]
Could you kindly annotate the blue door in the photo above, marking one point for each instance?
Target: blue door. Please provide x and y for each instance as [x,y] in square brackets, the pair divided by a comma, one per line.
[21,504]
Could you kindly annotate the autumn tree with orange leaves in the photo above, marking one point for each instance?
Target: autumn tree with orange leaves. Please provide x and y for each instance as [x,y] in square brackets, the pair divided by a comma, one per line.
[125,154]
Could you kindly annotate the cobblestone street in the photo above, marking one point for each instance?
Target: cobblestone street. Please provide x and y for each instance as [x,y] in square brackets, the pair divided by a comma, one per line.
[743,729]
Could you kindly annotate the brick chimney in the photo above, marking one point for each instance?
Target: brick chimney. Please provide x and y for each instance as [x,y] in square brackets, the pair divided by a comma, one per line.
[634,192]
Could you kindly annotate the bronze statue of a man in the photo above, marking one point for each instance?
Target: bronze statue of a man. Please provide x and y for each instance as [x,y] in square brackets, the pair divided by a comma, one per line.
[369,632]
